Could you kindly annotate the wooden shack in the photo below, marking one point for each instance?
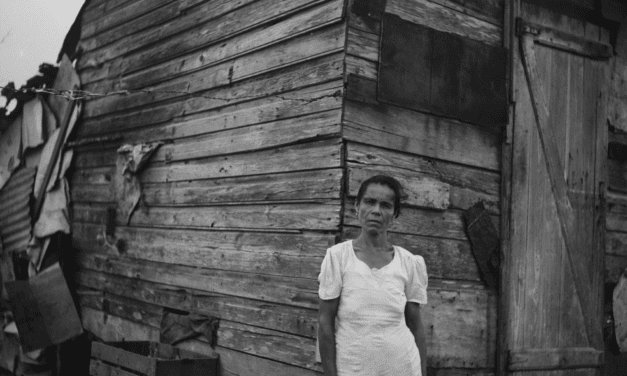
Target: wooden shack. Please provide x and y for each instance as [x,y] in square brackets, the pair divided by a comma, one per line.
[271,112]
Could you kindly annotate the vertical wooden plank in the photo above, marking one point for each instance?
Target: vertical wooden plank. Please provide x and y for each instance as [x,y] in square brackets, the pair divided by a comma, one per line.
[523,121]
[601,176]
[446,67]
[541,234]
[503,297]
[405,63]
[482,83]
[547,235]
[584,177]
[597,73]
[554,66]
[571,322]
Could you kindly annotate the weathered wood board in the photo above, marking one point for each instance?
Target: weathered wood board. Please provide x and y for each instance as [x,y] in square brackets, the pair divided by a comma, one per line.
[191,117]
[466,185]
[131,309]
[104,15]
[134,16]
[217,98]
[490,11]
[296,320]
[447,224]
[417,133]
[298,50]
[224,18]
[320,185]
[467,345]
[420,190]
[266,253]
[262,136]
[274,108]
[235,46]
[114,328]
[310,216]
[439,17]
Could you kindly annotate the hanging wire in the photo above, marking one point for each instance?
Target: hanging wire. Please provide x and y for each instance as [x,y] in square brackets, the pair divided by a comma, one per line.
[84,95]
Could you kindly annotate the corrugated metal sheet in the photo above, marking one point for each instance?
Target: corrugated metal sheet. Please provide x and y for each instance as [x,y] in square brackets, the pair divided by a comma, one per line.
[15,220]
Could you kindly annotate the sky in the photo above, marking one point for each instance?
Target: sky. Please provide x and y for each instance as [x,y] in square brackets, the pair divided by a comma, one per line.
[31,33]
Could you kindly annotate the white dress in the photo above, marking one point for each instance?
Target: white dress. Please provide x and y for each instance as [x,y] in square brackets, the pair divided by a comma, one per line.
[371,337]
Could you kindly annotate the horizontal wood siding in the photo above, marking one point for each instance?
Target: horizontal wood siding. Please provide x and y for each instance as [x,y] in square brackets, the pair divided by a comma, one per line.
[616,236]
[445,165]
[450,316]
[243,197]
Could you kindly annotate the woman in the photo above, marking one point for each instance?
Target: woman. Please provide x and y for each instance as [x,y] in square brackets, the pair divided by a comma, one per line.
[370,294]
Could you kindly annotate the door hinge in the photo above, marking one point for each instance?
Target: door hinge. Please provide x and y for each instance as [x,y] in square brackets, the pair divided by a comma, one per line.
[524,28]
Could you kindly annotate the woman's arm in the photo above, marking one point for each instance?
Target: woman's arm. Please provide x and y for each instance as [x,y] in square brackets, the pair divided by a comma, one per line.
[414,323]
[326,334]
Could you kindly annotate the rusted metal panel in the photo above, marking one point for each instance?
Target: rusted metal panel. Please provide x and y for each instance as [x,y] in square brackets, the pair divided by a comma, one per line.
[15,219]
[442,73]
[43,309]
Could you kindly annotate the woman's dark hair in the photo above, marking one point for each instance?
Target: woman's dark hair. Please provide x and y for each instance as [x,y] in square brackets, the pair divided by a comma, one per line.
[387,181]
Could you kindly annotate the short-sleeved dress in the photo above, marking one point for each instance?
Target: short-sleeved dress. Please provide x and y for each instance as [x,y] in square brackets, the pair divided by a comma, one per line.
[371,337]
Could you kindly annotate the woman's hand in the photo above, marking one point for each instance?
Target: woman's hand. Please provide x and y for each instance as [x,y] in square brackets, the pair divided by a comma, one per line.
[414,323]
[326,334]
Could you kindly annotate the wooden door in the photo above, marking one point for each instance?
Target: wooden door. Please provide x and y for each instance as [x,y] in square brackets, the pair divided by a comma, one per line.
[554,273]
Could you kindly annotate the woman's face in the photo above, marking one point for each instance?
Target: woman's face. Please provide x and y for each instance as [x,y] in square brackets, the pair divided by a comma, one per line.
[375,211]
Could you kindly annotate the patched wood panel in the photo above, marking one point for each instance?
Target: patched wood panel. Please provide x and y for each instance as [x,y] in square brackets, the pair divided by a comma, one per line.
[420,190]
[442,73]
[404,77]
[487,10]
[467,185]
[448,19]
[417,133]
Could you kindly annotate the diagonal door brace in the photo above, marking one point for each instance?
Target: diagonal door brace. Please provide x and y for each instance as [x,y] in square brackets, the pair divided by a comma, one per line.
[555,168]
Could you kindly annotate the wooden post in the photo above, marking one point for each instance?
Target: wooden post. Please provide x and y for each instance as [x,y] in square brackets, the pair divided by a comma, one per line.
[511,11]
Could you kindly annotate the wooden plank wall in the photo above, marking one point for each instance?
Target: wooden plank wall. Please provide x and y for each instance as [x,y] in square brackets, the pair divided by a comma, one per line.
[242,200]
[445,165]
[616,225]
[616,237]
